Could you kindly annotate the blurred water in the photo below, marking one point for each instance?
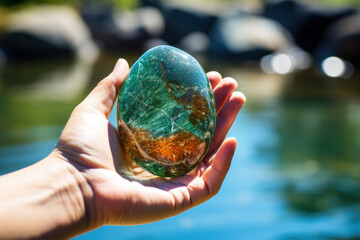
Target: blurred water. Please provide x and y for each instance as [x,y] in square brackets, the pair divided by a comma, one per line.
[295,173]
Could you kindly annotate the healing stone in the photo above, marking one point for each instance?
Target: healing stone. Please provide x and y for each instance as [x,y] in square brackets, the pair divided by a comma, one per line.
[166,112]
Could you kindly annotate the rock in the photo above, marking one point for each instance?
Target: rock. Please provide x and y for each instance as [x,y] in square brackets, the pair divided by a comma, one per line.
[181,22]
[166,112]
[123,30]
[195,43]
[47,31]
[151,3]
[2,57]
[341,39]
[306,23]
[242,37]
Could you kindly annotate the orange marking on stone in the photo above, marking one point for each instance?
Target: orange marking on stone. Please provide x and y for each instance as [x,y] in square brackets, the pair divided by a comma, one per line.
[172,149]
[192,100]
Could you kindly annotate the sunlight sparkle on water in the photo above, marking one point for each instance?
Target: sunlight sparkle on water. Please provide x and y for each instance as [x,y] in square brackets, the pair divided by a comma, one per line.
[282,63]
[333,67]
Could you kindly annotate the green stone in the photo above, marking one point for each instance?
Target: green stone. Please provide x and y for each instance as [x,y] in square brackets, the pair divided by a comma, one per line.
[166,112]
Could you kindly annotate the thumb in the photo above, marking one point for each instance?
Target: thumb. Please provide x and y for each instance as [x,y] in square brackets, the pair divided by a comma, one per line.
[102,98]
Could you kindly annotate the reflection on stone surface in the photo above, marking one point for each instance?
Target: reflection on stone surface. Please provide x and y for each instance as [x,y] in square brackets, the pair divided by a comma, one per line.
[166,112]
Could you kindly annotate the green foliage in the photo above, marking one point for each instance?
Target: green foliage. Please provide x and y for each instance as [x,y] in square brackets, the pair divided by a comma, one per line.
[10,3]
[354,3]
[127,4]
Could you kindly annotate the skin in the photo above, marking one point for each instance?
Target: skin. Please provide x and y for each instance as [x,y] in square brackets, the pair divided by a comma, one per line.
[88,181]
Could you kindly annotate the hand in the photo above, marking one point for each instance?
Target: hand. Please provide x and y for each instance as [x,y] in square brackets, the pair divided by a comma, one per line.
[89,146]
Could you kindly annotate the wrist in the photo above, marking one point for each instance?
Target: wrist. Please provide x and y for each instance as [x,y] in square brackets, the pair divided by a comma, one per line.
[75,192]
[45,200]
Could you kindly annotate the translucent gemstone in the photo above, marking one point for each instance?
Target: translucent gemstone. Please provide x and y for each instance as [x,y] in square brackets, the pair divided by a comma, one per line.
[166,112]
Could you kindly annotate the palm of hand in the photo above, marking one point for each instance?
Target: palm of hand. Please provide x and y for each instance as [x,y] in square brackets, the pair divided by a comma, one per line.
[123,193]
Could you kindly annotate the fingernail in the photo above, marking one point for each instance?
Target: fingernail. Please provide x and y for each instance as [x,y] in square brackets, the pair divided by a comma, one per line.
[118,63]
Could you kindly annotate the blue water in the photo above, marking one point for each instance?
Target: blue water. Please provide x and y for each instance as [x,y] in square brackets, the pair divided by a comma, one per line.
[250,204]
[295,173]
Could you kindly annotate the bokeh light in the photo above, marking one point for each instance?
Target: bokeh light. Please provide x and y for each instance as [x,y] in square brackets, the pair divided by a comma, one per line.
[333,67]
[282,63]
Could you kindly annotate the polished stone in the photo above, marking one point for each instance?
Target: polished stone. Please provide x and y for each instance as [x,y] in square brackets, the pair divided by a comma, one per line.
[166,112]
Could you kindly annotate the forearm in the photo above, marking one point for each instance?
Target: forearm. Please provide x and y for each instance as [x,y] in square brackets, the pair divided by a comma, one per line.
[44,200]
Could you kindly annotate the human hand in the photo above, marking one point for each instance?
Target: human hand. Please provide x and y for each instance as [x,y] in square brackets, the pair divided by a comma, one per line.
[89,146]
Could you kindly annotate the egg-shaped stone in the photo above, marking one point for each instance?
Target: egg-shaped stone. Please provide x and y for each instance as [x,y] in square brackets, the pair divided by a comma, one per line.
[166,112]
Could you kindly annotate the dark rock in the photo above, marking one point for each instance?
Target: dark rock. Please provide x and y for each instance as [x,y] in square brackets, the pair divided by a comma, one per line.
[45,32]
[306,23]
[123,31]
[243,37]
[342,39]
[24,45]
[2,57]
[181,22]
[151,3]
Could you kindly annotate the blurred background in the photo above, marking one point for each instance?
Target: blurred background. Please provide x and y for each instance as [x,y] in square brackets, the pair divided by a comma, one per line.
[296,171]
